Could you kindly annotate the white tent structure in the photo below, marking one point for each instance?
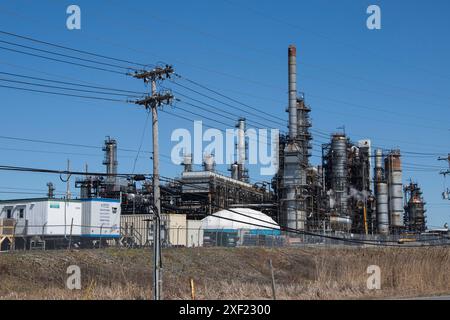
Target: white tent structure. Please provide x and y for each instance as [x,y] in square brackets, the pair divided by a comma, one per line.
[241,219]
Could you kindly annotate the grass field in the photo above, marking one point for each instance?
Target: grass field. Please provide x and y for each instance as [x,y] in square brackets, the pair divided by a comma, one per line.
[219,273]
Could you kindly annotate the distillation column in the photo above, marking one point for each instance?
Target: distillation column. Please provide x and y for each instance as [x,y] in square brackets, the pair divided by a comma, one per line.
[393,170]
[293,213]
[340,173]
[381,193]
[110,149]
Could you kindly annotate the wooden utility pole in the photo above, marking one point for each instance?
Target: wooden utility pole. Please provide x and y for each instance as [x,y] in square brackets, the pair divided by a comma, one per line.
[445,173]
[152,102]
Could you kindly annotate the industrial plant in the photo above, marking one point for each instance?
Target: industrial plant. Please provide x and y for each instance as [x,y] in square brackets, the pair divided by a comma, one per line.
[355,190]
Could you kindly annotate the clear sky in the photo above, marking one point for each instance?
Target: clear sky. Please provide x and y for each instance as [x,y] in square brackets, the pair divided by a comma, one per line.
[389,85]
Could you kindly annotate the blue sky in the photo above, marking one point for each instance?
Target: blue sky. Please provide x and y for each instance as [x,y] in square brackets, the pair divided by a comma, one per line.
[389,85]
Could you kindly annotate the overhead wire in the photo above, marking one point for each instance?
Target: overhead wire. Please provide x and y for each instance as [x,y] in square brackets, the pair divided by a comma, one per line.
[63,61]
[71,49]
[63,94]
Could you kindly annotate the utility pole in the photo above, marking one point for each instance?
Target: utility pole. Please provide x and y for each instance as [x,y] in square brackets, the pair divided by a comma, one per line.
[446,193]
[446,172]
[152,102]
[68,196]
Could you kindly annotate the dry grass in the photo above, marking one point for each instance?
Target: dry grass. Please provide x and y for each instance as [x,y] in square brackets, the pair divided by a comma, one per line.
[219,273]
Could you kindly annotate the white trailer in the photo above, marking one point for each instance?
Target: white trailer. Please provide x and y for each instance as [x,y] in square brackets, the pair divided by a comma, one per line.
[100,218]
[43,216]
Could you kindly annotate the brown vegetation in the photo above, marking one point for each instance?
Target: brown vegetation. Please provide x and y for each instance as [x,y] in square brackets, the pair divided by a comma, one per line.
[219,273]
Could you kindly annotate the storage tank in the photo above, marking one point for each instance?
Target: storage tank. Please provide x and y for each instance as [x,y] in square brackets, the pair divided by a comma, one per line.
[341,223]
[382,208]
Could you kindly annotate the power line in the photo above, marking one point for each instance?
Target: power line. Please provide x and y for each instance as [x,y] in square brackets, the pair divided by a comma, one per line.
[142,141]
[62,143]
[63,61]
[71,49]
[70,83]
[66,88]
[68,172]
[327,135]
[65,55]
[220,94]
[62,153]
[221,102]
[209,35]
[63,94]
[116,100]
[229,98]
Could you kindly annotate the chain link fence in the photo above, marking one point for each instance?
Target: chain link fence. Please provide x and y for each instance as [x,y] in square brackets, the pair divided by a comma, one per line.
[130,236]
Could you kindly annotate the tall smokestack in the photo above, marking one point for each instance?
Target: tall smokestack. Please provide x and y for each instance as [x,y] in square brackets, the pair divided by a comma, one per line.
[292,51]
[293,210]
[241,148]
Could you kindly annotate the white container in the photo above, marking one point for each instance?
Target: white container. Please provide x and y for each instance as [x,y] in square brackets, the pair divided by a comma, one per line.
[46,217]
[100,218]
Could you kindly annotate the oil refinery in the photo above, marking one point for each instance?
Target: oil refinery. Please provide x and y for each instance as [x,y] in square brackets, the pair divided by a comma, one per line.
[355,190]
